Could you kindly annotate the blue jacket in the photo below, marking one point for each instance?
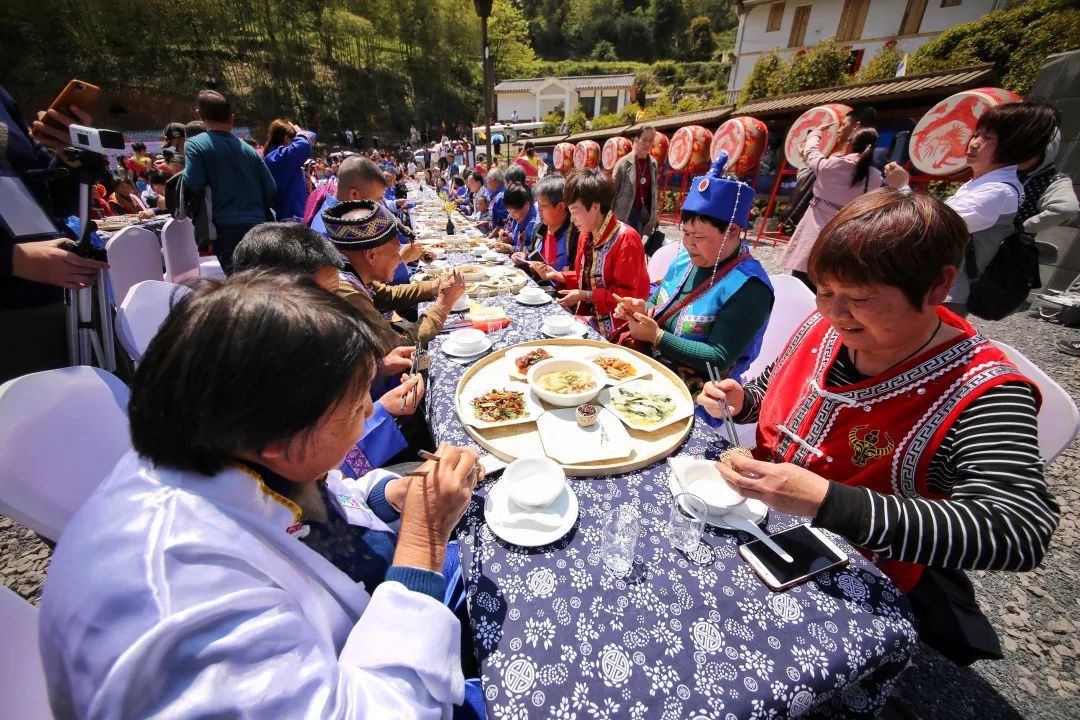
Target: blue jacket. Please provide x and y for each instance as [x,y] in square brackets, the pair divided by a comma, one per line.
[286,166]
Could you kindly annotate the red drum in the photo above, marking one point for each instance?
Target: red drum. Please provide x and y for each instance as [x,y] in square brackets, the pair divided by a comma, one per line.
[614,149]
[939,141]
[587,154]
[689,149]
[812,118]
[660,149]
[563,158]
[744,138]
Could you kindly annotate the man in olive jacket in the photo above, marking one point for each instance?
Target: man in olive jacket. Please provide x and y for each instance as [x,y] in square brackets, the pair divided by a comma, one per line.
[636,188]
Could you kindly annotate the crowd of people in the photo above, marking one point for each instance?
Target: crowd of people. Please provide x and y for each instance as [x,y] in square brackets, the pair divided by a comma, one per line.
[272,525]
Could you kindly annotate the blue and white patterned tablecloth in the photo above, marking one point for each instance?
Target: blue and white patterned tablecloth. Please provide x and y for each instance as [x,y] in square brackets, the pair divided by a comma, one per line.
[696,636]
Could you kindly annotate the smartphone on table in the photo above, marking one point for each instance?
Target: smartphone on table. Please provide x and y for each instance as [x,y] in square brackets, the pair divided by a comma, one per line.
[82,95]
[811,552]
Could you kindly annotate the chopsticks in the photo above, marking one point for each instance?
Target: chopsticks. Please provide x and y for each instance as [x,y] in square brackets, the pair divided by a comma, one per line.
[725,412]
[425,455]
[413,369]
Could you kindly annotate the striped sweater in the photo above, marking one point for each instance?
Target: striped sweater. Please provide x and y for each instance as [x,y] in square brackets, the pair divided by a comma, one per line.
[999,514]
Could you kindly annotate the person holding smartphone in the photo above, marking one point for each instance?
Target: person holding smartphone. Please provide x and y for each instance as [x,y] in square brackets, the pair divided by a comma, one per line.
[34,272]
[891,421]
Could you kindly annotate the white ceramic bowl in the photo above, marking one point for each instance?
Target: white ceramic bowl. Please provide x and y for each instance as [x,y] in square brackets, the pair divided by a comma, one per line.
[531,292]
[701,478]
[468,339]
[473,274]
[559,324]
[534,482]
[463,303]
[555,364]
[479,252]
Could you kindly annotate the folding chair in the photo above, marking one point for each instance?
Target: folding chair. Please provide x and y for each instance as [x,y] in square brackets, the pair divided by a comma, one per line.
[61,433]
[143,311]
[1059,420]
[792,303]
[22,680]
[182,261]
[134,255]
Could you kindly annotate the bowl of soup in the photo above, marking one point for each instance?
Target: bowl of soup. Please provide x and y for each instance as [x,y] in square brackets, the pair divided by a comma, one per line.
[566,382]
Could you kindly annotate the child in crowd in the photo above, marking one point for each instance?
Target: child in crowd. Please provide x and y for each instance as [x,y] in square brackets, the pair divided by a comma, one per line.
[482,216]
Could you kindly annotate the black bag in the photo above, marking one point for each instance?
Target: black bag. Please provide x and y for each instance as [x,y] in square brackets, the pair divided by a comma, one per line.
[800,201]
[1013,272]
[654,242]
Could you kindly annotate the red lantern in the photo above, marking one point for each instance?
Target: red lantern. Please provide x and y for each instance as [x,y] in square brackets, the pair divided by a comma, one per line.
[939,141]
[563,157]
[744,138]
[587,154]
[689,149]
[614,149]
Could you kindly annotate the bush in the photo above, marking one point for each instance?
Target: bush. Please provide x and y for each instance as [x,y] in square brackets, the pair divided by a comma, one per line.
[824,65]
[603,51]
[588,67]
[761,78]
[668,72]
[603,122]
[699,39]
[1016,40]
[576,122]
[882,66]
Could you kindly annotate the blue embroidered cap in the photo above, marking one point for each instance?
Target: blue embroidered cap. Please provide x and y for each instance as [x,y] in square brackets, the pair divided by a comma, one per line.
[377,226]
[719,197]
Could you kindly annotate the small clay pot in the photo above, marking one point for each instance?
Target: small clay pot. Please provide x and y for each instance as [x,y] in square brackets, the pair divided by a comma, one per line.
[586,415]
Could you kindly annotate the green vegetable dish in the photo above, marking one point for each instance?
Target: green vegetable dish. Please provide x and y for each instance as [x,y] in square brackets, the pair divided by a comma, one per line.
[644,408]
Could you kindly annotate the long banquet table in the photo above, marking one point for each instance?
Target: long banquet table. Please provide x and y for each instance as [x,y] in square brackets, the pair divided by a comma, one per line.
[684,636]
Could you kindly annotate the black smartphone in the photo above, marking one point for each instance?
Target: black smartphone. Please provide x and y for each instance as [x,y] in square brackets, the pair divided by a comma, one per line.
[811,551]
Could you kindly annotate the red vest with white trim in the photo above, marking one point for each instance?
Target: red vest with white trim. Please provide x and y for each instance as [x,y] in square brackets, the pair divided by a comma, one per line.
[880,433]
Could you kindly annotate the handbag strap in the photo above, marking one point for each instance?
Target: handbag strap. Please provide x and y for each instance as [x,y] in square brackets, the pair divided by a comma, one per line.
[700,290]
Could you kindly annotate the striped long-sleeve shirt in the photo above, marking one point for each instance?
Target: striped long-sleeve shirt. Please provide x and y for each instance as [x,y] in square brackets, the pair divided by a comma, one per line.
[999,514]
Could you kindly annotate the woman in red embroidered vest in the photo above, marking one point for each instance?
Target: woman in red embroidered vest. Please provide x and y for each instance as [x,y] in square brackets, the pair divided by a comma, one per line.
[610,257]
[891,421]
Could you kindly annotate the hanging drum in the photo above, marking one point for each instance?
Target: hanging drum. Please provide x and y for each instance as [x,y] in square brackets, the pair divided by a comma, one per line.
[814,117]
[689,149]
[939,140]
[587,154]
[744,138]
[563,157]
[660,149]
[614,149]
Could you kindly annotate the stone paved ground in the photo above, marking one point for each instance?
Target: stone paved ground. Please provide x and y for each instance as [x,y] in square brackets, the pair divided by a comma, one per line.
[1037,614]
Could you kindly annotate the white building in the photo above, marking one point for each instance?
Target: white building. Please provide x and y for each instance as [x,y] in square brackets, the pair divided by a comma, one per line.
[533,98]
[864,25]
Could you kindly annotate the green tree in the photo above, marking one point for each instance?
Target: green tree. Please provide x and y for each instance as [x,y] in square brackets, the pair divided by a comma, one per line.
[634,38]
[882,66]
[509,36]
[824,65]
[603,50]
[761,78]
[669,21]
[1017,40]
[699,39]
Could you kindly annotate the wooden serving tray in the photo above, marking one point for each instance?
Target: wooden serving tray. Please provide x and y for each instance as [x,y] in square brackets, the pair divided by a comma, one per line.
[518,441]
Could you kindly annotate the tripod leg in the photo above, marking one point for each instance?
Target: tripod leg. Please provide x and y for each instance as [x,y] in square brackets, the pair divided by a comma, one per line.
[86,325]
[71,300]
[105,315]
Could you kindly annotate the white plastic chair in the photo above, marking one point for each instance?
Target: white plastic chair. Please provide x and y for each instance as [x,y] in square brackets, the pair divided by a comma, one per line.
[1059,420]
[22,679]
[143,311]
[134,255]
[792,303]
[662,259]
[181,251]
[61,433]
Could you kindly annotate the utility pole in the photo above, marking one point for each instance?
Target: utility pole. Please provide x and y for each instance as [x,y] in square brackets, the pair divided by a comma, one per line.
[483,9]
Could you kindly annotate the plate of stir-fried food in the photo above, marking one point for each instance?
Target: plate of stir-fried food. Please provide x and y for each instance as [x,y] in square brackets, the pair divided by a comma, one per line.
[520,360]
[646,405]
[498,406]
[620,367]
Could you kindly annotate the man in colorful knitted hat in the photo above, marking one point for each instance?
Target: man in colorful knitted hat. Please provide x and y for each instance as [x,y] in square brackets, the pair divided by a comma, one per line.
[714,301]
[366,233]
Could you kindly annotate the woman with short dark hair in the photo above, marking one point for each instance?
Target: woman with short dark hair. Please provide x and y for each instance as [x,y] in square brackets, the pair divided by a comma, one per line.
[890,420]
[185,585]
[610,258]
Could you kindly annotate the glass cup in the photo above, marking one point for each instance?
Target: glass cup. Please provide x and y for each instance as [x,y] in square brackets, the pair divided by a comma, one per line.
[619,542]
[687,521]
